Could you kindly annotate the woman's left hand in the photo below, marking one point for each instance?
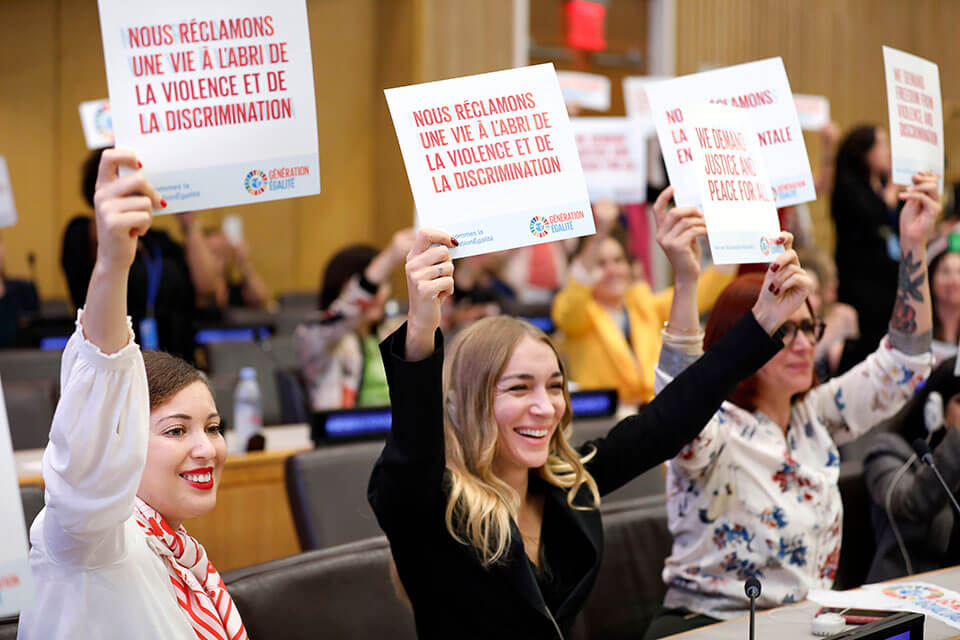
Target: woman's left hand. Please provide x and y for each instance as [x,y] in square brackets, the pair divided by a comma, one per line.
[785,286]
[921,210]
[678,233]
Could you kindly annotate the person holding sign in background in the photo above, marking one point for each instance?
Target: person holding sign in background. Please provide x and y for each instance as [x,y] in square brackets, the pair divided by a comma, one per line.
[491,514]
[611,319]
[755,494]
[135,448]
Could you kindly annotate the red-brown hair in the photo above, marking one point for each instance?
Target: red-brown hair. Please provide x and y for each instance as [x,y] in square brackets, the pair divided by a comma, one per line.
[734,302]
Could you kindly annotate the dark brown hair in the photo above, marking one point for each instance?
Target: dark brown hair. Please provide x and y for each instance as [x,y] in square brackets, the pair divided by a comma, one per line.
[734,302]
[168,374]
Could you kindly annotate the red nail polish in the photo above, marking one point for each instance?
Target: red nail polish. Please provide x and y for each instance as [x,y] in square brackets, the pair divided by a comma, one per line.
[772,288]
[163,204]
[777,292]
[139,165]
[455,242]
[774,267]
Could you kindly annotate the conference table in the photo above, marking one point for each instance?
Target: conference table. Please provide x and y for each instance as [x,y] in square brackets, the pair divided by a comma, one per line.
[252,522]
[792,622]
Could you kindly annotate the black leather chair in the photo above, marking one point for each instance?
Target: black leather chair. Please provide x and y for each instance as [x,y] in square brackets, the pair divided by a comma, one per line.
[8,628]
[30,408]
[341,593]
[629,589]
[327,489]
[859,544]
[651,483]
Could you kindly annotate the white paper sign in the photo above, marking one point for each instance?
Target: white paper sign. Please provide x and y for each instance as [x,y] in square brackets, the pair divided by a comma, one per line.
[635,95]
[737,198]
[613,157]
[97,122]
[919,597]
[762,89]
[916,115]
[8,210]
[16,579]
[812,111]
[216,98]
[491,159]
[588,90]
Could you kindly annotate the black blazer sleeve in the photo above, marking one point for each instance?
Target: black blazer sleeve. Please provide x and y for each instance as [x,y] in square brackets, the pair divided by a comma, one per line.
[407,479]
[682,409]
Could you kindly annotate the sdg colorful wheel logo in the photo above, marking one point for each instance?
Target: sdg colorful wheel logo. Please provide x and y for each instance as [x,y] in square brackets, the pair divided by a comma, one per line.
[764,246]
[103,121]
[255,182]
[539,226]
[913,592]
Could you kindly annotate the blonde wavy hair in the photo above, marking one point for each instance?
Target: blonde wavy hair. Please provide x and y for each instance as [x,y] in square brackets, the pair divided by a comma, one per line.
[479,504]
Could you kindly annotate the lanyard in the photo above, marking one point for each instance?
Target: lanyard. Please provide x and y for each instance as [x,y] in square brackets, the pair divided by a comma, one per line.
[153,261]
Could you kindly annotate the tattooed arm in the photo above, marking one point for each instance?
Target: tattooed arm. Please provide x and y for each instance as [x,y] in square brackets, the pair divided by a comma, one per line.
[912,316]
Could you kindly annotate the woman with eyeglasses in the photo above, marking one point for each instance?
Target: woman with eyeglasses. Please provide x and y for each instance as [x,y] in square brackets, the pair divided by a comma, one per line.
[755,494]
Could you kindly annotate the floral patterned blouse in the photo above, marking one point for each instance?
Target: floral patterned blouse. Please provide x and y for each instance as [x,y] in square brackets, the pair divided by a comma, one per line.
[744,499]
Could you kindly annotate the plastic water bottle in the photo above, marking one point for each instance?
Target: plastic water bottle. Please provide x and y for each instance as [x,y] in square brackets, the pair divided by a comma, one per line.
[247,409]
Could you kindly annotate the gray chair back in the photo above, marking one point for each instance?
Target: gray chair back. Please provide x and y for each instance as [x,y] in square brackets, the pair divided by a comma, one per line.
[340,593]
[327,489]
[224,361]
[30,408]
[651,483]
[27,365]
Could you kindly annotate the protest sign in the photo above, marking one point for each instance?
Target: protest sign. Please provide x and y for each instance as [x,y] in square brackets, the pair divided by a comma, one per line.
[759,87]
[916,115]
[812,111]
[587,90]
[612,155]
[491,159]
[97,123]
[635,95]
[215,98]
[8,211]
[738,204]
[16,579]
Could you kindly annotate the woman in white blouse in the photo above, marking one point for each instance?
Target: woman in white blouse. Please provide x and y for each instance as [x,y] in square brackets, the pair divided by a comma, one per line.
[133,452]
[755,494]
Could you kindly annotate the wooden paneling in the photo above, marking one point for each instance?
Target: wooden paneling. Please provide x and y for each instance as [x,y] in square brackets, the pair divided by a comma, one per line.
[832,48]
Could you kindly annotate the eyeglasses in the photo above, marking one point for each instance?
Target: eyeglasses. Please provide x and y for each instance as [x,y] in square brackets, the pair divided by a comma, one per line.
[813,329]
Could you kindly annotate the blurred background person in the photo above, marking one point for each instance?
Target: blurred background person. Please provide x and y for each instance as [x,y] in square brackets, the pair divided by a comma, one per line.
[18,304]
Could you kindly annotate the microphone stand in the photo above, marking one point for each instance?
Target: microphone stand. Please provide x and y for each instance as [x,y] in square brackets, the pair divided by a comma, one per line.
[923,450]
[752,590]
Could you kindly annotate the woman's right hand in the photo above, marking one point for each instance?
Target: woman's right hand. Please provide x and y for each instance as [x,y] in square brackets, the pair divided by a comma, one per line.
[678,233]
[124,210]
[429,281]
[785,286]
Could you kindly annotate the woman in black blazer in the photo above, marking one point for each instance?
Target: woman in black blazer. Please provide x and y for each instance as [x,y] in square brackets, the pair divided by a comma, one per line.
[490,513]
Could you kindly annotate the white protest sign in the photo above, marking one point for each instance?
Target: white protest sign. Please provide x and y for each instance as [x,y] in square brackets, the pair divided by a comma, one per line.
[916,115]
[737,199]
[613,157]
[8,210]
[16,579]
[635,95]
[812,111]
[491,159]
[97,123]
[762,89]
[216,98]
[588,90]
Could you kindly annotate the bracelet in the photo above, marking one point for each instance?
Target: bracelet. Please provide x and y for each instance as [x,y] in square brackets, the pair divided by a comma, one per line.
[682,332]
[672,338]
[366,285]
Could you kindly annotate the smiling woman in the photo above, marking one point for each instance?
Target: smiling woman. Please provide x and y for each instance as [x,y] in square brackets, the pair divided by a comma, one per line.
[135,448]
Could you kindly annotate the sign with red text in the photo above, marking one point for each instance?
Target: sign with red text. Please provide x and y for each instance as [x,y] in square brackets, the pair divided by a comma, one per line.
[762,89]
[16,579]
[635,95]
[737,199]
[613,157]
[916,115]
[491,159]
[97,123]
[8,210]
[216,98]
[587,90]
[812,111]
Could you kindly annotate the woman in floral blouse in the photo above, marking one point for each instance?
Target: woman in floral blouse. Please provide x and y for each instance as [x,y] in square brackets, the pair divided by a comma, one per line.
[755,494]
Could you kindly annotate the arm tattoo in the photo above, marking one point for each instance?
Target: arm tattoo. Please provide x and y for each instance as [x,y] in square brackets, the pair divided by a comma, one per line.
[909,287]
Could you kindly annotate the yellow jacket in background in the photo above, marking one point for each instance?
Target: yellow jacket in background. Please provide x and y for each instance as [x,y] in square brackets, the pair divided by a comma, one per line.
[596,351]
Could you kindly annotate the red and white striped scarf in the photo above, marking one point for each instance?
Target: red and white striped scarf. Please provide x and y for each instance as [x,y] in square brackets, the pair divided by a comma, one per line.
[197,584]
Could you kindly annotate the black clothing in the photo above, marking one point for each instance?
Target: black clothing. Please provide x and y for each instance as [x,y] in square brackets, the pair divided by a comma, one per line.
[77,257]
[672,621]
[867,274]
[18,305]
[451,592]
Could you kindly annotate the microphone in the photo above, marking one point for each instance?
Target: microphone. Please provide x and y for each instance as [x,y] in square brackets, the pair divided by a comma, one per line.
[752,589]
[922,449]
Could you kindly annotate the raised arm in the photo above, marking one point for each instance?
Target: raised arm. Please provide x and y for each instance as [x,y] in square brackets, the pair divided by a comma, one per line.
[678,234]
[410,469]
[98,441]
[912,313]
[682,409]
